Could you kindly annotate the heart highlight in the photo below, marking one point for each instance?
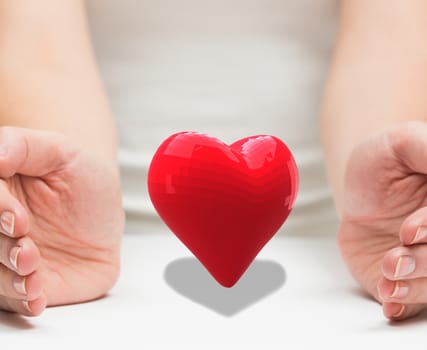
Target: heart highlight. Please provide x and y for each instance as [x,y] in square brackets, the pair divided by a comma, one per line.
[223,202]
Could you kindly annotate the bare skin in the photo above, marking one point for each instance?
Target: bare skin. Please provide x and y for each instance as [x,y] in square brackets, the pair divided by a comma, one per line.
[61,189]
[383,210]
[59,181]
[374,154]
[67,226]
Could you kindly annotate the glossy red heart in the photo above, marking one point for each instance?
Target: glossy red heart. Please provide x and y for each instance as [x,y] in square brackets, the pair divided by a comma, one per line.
[223,202]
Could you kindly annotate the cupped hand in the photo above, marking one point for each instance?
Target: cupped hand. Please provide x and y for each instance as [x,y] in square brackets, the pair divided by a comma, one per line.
[383,230]
[61,222]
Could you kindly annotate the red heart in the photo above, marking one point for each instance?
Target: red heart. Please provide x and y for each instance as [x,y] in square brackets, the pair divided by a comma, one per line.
[223,202]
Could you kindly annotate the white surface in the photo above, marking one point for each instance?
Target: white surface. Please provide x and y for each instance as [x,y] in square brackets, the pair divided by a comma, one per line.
[318,305]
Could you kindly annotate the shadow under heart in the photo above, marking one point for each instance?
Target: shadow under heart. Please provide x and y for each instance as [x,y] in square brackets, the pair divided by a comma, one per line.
[188,277]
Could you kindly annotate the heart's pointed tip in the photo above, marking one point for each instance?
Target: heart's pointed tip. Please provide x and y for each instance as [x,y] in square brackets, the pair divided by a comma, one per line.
[228,285]
[227,282]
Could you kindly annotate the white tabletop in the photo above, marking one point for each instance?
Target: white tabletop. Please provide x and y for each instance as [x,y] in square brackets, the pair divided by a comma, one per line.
[296,293]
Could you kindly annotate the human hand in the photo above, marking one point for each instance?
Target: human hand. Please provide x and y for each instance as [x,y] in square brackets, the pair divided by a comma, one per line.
[383,232]
[61,222]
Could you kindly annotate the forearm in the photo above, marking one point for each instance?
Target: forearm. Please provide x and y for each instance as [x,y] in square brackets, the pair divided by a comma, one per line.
[378,77]
[48,75]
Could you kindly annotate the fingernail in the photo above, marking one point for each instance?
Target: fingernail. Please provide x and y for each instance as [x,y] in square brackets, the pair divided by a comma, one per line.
[19,285]
[401,290]
[26,305]
[400,312]
[421,234]
[7,220]
[13,257]
[405,265]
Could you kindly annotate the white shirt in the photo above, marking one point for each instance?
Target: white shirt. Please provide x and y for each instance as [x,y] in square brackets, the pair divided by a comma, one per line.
[227,68]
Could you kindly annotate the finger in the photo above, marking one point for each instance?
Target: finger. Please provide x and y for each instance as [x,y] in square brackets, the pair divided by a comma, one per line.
[405,262]
[403,292]
[20,255]
[32,152]
[400,312]
[25,307]
[15,286]
[414,228]
[14,220]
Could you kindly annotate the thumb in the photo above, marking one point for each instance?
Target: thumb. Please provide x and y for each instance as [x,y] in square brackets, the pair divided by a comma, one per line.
[32,152]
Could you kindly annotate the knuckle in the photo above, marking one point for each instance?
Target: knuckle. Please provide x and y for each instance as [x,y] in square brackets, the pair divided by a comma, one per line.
[400,136]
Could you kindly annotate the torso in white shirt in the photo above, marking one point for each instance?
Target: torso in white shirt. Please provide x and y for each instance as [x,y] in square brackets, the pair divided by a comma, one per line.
[227,68]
